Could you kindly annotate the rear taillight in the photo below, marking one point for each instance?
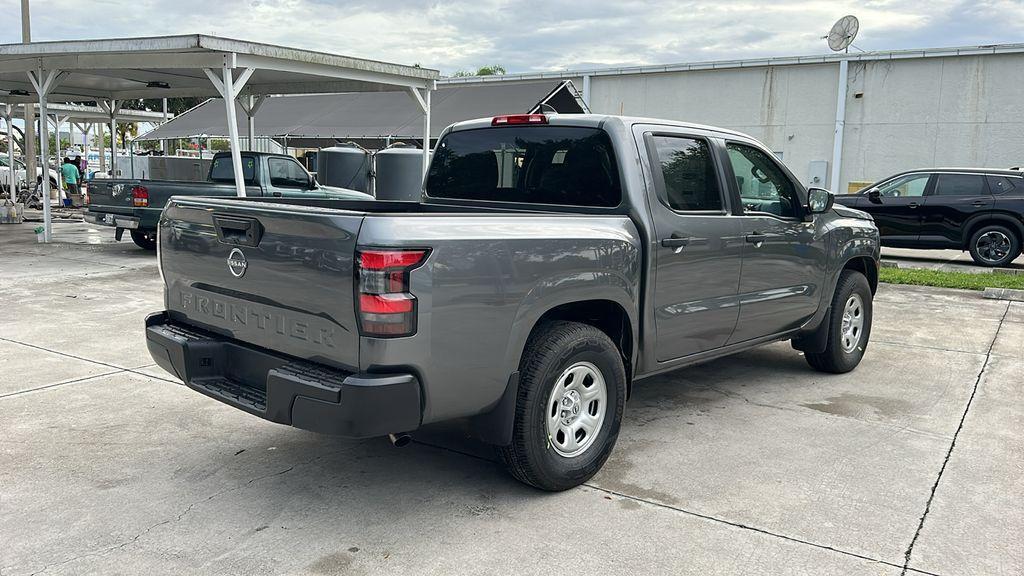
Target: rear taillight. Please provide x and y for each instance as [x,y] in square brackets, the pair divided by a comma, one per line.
[385,306]
[140,196]
[510,119]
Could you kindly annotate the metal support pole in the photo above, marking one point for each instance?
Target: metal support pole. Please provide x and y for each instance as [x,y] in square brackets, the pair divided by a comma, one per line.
[103,152]
[426,131]
[837,141]
[228,93]
[42,87]
[586,89]
[250,126]
[113,138]
[163,143]
[12,176]
[30,110]
[60,159]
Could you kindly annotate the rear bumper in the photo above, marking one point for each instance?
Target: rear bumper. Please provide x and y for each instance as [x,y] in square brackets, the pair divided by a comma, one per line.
[115,220]
[282,389]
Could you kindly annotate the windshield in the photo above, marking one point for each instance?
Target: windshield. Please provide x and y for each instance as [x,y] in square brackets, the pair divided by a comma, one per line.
[561,165]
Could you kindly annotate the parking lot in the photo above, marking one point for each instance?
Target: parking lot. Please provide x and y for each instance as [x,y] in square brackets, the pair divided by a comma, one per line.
[753,464]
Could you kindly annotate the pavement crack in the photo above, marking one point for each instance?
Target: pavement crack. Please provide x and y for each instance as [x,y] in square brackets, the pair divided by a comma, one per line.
[56,384]
[949,453]
[752,528]
[175,519]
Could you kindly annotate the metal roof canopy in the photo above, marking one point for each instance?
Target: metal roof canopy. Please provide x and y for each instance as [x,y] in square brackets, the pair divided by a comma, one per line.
[111,70]
[376,116]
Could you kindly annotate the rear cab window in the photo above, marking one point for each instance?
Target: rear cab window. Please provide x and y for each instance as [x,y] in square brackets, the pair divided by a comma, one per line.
[550,165]
[222,170]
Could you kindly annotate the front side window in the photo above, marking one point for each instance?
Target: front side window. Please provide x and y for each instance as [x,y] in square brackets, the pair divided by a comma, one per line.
[687,173]
[960,185]
[558,165]
[909,185]
[286,173]
[763,184]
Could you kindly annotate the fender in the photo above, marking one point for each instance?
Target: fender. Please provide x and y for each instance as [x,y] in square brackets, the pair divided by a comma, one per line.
[984,218]
[495,426]
[814,336]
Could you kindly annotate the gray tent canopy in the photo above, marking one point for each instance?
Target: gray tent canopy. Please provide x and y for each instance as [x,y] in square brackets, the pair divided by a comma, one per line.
[364,115]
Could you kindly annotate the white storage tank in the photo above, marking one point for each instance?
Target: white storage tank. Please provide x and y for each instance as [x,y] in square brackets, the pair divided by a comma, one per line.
[344,167]
[399,174]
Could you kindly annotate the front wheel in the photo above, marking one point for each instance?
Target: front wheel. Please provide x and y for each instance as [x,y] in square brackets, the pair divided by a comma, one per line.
[144,240]
[994,245]
[849,325]
[572,388]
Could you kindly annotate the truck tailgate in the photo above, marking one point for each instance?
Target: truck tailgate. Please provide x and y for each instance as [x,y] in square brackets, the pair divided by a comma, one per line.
[115,193]
[275,276]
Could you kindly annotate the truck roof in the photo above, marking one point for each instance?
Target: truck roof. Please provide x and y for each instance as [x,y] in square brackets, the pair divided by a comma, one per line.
[597,120]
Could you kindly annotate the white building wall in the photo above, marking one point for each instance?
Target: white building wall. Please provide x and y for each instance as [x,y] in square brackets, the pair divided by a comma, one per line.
[917,113]
[913,112]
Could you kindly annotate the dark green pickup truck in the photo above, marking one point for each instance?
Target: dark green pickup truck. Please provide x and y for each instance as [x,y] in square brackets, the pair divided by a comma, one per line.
[135,205]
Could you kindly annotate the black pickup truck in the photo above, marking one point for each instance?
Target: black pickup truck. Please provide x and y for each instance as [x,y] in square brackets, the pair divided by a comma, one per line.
[553,262]
[135,205]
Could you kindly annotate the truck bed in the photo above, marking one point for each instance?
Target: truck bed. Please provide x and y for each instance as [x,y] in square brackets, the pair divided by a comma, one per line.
[487,271]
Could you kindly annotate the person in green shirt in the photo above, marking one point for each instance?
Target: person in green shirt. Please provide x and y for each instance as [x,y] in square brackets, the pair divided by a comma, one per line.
[69,172]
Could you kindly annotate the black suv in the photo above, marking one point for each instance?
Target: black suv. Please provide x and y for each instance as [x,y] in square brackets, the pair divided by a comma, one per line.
[961,208]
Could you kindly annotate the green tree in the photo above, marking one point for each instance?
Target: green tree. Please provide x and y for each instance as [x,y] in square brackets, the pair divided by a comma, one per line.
[493,70]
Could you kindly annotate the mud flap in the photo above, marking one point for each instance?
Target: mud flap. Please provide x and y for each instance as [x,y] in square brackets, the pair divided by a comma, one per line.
[816,340]
[118,233]
[495,427]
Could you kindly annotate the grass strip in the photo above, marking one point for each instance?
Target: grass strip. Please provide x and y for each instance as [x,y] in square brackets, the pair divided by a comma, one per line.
[943,279]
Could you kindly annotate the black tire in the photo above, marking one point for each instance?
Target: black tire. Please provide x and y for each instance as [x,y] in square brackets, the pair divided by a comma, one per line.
[144,240]
[838,357]
[532,458]
[994,245]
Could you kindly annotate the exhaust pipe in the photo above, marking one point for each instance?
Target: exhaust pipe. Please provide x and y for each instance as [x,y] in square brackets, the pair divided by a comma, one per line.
[400,440]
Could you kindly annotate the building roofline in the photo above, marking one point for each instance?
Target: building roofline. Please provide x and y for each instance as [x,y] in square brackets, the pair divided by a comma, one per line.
[750,63]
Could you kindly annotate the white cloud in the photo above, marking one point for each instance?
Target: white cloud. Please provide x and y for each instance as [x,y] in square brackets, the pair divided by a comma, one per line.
[526,35]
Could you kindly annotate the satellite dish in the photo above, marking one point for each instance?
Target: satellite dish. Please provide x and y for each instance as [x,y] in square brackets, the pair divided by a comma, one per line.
[842,33]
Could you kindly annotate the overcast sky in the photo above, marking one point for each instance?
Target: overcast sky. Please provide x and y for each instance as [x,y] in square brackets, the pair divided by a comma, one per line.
[530,36]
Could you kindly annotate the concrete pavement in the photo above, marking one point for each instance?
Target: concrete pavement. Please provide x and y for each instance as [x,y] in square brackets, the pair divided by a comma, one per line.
[748,465]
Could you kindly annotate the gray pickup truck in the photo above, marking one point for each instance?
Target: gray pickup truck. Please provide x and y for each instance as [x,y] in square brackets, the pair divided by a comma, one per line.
[135,205]
[553,262]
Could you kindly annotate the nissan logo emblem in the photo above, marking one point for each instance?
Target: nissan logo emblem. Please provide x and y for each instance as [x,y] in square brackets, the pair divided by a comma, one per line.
[237,263]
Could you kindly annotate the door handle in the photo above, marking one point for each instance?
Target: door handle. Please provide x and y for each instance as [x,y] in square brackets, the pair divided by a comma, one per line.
[913,205]
[675,241]
[277,193]
[979,203]
[757,239]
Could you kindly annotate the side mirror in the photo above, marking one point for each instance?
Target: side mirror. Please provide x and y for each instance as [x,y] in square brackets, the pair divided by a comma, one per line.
[312,185]
[819,200]
[875,195]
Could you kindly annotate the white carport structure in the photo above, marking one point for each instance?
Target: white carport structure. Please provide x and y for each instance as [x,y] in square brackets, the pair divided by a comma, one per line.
[110,71]
[77,115]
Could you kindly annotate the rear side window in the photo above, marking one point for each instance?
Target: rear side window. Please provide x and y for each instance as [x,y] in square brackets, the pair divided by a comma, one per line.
[960,185]
[1004,185]
[687,173]
[560,165]
[223,171]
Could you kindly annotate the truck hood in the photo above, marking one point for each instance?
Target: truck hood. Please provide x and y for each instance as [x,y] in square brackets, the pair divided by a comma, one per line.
[344,193]
[848,212]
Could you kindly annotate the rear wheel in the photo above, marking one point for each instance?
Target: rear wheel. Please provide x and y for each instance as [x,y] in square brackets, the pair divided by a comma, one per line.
[144,240]
[572,388]
[994,245]
[849,325]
